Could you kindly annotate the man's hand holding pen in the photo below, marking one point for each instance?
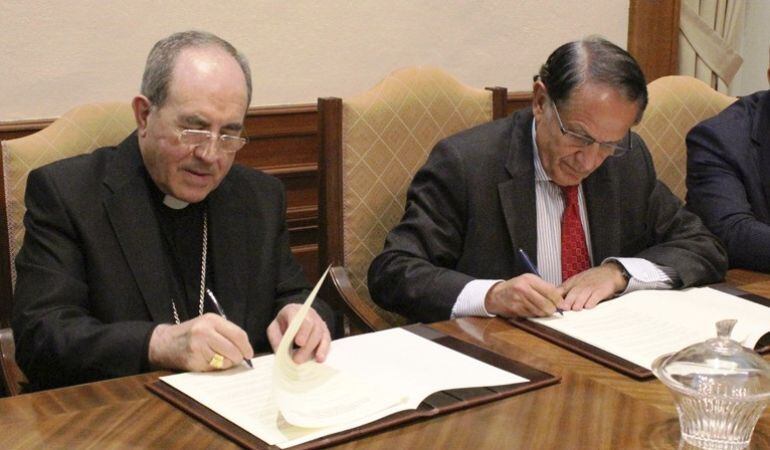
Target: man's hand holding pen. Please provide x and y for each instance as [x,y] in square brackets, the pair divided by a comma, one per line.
[193,345]
[219,342]
[527,295]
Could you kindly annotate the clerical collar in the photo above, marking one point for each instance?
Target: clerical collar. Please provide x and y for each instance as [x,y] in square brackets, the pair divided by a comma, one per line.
[173,202]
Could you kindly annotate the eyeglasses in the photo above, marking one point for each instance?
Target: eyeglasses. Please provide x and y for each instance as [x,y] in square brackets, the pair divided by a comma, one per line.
[227,143]
[617,148]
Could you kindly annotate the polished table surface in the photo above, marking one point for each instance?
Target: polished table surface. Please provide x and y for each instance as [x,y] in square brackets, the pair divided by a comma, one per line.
[592,407]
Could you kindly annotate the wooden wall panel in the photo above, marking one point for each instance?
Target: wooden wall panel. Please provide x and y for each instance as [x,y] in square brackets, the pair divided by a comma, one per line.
[518,100]
[653,36]
[283,141]
[279,152]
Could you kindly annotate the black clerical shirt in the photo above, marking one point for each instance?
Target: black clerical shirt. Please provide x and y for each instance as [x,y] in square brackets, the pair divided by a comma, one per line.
[182,232]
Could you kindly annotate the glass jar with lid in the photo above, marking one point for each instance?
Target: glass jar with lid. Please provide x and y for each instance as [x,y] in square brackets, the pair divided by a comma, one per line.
[720,389]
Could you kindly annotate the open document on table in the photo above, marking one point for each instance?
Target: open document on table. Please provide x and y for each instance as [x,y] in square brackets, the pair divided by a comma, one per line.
[400,366]
[365,378]
[642,325]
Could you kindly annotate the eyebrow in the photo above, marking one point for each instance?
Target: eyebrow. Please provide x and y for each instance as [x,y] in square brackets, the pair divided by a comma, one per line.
[235,127]
[197,121]
[581,131]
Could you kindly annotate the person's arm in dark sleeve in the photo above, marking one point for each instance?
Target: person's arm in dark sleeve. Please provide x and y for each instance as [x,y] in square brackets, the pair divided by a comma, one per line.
[58,341]
[677,238]
[414,274]
[716,193]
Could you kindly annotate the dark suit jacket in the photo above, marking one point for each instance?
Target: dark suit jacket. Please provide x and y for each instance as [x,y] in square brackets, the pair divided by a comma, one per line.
[728,179]
[473,203]
[93,280]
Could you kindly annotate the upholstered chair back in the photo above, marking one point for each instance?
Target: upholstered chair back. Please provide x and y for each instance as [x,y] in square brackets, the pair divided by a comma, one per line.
[677,103]
[385,136]
[80,130]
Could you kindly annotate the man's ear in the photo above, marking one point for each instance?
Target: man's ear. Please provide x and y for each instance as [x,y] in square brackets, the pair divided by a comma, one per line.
[539,97]
[141,106]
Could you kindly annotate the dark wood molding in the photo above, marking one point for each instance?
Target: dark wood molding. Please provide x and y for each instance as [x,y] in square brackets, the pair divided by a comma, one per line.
[24,125]
[330,250]
[272,112]
[518,100]
[293,169]
[653,36]
[499,102]
[21,128]
[262,122]
[283,142]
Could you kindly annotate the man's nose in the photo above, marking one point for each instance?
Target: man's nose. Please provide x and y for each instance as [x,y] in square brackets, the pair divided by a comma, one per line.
[590,157]
[208,151]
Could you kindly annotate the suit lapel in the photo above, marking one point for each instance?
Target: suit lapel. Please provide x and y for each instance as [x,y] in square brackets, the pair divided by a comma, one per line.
[227,219]
[517,195]
[604,214]
[132,218]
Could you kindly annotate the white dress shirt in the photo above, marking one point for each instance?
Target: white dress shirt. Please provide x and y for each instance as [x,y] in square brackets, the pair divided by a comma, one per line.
[550,207]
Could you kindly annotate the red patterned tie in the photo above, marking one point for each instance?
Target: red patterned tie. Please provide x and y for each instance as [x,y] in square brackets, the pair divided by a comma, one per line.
[574,252]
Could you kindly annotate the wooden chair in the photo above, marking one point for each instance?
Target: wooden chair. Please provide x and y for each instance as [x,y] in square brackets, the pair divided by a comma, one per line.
[78,131]
[677,103]
[371,145]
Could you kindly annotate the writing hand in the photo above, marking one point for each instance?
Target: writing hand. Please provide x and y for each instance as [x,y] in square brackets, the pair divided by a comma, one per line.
[527,295]
[191,345]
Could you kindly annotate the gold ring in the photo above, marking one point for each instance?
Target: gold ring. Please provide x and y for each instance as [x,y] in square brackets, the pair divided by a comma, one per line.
[217,361]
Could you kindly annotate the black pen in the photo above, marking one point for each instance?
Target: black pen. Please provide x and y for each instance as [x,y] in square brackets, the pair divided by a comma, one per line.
[222,313]
[531,267]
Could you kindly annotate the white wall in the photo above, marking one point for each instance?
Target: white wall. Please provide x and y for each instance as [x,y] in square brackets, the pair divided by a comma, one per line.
[54,54]
[755,44]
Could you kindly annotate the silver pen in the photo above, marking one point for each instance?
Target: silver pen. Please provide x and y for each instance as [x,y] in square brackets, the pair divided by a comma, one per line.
[221,312]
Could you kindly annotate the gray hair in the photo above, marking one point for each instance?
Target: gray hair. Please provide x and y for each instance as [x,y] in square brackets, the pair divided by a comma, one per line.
[593,59]
[160,62]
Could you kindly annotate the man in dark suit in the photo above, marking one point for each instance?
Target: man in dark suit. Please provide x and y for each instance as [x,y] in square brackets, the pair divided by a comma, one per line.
[122,244]
[728,162]
[567,182]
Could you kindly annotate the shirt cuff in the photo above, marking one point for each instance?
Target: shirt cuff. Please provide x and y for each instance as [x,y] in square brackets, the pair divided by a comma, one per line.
[646,274]
[470,302]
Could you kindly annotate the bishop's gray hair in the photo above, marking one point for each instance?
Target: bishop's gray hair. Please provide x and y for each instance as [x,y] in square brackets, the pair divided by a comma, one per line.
[160,62]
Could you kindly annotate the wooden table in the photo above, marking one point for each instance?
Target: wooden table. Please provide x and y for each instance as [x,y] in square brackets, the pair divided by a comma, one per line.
[593,407]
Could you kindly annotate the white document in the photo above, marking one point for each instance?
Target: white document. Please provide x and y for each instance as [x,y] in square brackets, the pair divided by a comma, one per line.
[364,378]
[395,359]
[643,325]
[313,395]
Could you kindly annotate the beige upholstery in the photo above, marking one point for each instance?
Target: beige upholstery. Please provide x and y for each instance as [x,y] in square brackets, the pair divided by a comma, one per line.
[79,130]
[387,133]
[677,103]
